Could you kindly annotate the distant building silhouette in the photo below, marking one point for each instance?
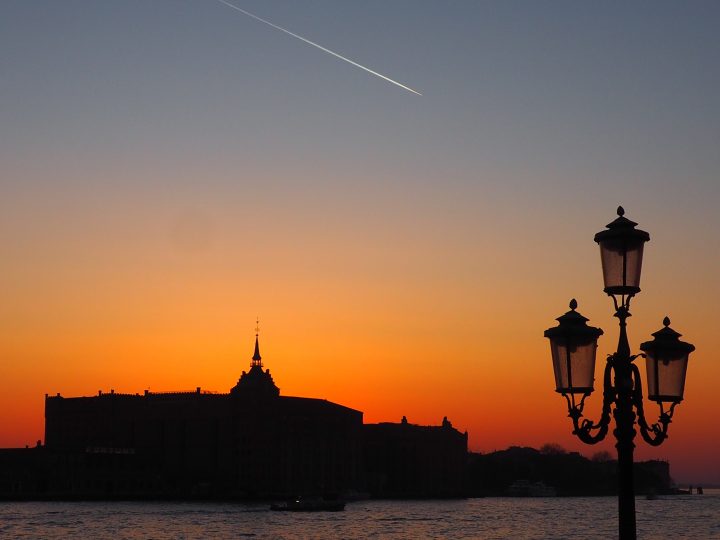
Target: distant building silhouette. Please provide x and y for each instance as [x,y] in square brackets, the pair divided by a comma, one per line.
[519,471]
[249,443]
[407,460]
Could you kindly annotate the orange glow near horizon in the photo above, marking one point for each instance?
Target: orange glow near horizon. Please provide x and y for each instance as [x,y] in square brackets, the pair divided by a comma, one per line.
[424,358]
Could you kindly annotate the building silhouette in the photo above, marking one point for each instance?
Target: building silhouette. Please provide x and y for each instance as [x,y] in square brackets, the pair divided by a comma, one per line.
[249,443]
[406,460]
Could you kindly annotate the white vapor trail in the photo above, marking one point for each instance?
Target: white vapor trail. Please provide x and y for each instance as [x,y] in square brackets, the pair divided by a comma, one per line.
[388,79]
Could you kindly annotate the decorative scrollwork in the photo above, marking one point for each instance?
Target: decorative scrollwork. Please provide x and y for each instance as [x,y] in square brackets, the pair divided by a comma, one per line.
[624,303]
[584,427]
[656,433]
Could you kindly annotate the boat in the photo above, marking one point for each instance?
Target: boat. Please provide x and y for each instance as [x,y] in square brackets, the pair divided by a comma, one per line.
[310,505]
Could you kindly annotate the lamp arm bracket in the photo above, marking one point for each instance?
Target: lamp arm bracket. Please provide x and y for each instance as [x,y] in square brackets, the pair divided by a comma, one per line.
[583,427]
[656,433]
[624,302]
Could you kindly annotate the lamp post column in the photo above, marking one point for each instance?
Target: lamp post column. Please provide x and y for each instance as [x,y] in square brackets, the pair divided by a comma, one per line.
[624,430]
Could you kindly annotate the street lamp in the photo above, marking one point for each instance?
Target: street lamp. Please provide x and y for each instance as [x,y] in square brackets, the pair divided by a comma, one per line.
[573,344]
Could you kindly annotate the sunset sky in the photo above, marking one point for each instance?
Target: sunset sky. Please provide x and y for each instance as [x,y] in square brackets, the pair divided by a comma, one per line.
[169,170]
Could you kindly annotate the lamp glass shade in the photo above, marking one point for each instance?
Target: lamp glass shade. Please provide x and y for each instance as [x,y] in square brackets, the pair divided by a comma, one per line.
[621,265]
[666,359]
[666,377]
[573,345]
[574,365]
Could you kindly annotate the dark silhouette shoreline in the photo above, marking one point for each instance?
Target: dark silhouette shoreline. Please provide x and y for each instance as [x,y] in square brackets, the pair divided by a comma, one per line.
[254,444]
[569,473]
[494,474]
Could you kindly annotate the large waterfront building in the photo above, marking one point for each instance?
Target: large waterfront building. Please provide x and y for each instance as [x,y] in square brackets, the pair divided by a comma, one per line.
[249,443]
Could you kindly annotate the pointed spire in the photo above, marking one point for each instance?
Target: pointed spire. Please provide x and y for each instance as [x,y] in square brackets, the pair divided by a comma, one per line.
[256,359]
[256,383]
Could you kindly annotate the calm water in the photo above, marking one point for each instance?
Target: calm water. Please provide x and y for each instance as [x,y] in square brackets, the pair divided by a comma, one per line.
[696,517]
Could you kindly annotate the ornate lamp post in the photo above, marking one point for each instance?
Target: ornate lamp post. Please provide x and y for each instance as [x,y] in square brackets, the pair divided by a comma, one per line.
[573,345]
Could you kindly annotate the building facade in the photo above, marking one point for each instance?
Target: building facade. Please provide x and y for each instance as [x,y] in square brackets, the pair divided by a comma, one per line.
[404,460]
[251,443]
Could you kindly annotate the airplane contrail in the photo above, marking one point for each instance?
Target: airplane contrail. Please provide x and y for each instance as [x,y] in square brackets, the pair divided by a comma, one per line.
[388,79]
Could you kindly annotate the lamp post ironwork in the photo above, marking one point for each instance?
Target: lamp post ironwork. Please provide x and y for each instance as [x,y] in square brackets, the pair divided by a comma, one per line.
[573,345]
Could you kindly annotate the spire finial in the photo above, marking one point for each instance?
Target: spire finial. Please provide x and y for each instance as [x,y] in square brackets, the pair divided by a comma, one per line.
[573,304]
[666,321]
[620,211]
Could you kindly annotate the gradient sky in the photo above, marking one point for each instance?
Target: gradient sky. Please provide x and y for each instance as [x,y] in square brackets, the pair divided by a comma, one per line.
[171,169]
